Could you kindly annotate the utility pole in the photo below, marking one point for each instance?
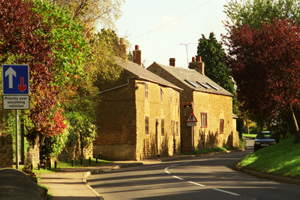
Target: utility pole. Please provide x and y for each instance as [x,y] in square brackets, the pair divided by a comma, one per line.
[186,45]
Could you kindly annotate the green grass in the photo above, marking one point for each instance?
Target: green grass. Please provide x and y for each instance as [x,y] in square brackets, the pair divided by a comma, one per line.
[280,159]
[248,135]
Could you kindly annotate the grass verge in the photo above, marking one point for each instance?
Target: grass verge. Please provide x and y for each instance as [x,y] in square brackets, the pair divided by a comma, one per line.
[281,159]
[83,163]
[248,135]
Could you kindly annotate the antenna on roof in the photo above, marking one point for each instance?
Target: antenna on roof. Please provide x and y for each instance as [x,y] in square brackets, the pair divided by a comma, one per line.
[187,50]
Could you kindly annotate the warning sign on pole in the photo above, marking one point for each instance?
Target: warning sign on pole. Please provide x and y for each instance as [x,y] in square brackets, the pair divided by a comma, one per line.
[192,120]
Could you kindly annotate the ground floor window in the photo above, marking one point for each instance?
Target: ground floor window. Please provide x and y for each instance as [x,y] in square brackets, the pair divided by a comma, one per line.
[203,120]
[147,125]
[221,125]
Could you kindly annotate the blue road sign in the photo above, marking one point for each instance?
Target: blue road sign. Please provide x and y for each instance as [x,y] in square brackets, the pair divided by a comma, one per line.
[15,79]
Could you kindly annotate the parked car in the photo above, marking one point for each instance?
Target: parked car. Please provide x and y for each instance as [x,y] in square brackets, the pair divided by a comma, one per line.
[264,139]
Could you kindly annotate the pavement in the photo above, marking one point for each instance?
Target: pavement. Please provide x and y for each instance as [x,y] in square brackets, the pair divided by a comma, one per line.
[69,186]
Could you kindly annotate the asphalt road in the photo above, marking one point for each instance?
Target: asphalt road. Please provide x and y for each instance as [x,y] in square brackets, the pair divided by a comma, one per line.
[205,178]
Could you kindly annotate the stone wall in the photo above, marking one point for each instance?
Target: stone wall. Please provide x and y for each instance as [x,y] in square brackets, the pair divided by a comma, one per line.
[6,151]
[161,103]
[116,122]
[217,107]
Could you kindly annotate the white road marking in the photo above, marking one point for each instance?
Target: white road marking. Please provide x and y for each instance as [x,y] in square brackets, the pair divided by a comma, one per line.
[227,192]
[199,184]
[178,178]
[196,183]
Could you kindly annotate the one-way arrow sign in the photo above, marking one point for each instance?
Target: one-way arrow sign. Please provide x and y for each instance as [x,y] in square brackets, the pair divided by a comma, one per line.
[11,74]
[15,79]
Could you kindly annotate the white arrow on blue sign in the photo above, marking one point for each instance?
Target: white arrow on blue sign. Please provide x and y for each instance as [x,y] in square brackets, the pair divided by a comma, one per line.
[15,79]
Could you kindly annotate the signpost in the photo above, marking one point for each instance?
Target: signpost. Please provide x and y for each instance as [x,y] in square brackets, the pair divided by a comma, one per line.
[15,81]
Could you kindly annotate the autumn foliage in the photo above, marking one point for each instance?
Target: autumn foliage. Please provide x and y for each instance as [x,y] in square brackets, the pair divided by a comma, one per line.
[265,63]
[21,42]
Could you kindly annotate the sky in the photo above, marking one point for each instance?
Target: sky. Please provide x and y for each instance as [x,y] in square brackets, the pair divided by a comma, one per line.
[170,28]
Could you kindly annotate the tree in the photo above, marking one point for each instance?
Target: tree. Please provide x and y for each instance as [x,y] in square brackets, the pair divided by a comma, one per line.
[266,65]
[214,57]
[93,12]
[255,12]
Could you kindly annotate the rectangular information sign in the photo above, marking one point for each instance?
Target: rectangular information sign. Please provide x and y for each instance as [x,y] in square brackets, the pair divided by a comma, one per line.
[15,102]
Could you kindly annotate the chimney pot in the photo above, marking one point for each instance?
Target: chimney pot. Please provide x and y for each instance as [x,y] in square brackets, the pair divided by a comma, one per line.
[193,59]
[198,59]
[137,55]
[172,62]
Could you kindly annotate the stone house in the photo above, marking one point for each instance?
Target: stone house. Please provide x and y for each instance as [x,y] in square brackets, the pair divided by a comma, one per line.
[139,115]
[204,101]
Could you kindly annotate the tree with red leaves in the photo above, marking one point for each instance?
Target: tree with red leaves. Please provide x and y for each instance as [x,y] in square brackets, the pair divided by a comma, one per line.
[22,42]
[265,63]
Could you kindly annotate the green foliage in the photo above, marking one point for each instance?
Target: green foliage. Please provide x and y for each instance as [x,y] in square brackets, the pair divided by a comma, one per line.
[281,159]
[214,57]
[82,130]
[68,44]
[56,143]
[255,12]
[105,46]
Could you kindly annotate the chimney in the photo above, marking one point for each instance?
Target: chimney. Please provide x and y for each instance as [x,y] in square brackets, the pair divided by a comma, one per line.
[137,55]
[123,48]
[200,65]
[172,62]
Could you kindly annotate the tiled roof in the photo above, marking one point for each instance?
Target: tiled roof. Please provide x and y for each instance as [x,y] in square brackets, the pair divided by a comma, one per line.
[194,80]
[142,73]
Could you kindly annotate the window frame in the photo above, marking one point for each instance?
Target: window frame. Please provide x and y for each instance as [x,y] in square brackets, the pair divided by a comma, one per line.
[162,127]
[221,125]
[203,120]
[146,125]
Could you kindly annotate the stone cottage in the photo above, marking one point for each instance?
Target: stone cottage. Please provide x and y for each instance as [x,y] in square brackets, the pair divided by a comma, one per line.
[139,115]
[204,102]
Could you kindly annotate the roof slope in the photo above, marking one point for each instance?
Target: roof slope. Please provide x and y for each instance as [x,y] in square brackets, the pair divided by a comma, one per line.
[194,80]
[142,73]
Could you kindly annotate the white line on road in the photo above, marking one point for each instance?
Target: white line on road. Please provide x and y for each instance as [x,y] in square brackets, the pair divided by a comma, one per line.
[199,184]
[227,192]
[192,182]
[178,178]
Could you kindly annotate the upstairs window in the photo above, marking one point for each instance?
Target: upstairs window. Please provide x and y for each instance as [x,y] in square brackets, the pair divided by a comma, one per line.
[192,83]
[146,90]
[221,125]
[161,94]
[203,118]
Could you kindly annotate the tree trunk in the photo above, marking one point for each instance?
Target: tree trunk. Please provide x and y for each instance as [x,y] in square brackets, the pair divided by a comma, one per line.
[296,131]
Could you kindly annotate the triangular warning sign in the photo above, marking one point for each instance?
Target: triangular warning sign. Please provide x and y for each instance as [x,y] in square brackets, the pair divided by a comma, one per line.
[192,118]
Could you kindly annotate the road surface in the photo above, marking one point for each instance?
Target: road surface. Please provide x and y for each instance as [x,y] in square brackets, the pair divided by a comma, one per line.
[203,178]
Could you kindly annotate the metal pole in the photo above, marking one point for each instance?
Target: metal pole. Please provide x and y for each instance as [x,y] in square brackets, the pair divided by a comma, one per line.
[17,140]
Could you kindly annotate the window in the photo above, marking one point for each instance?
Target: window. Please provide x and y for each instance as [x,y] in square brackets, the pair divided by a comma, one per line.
[173,127]
[146,90]
[203,85]
[177,128]
[162,127]
[147,125]
[212,86]
[191,83]
[161,94]
[221,125]
[203,117]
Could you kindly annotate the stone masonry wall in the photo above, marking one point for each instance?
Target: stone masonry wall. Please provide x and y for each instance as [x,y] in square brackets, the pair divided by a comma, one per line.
[217,107]
[116,122]
[157,104]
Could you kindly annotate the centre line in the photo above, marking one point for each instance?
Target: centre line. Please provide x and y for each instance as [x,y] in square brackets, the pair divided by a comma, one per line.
[201,185]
